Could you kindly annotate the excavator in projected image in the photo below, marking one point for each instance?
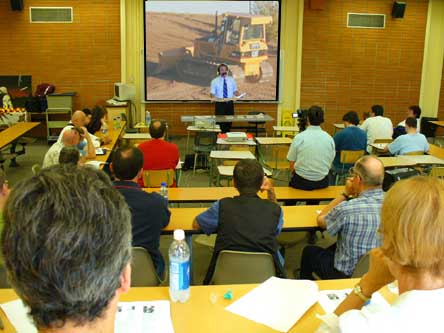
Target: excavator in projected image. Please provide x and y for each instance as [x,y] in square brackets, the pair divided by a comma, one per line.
[240,42]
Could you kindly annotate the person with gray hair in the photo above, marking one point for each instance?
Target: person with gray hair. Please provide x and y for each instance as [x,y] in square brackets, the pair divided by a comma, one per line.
[69,155]
[66,244]
[354,217]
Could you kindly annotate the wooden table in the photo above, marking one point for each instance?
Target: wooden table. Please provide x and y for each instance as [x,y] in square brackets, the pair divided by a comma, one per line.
[14,132]
[436,151]
[292,129]
[211,194]
[136,138]
[232,155]
[423,159]
[439,123]
[223,142]
[296,218]
[114,135]
[200,315]
[267,141]
[215,129]
[396,162]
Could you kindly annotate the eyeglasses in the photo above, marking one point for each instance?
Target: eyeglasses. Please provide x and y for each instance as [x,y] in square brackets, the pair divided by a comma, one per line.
[352,172]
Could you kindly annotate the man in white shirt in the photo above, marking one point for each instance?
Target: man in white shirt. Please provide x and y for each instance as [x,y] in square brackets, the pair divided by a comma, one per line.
[80,120]
[377,126]
[70,138]
[223,89]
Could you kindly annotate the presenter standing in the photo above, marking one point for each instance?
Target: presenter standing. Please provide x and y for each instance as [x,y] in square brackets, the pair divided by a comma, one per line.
[223,90]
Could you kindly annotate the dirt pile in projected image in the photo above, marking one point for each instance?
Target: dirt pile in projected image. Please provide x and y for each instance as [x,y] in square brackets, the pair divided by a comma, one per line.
[166,31]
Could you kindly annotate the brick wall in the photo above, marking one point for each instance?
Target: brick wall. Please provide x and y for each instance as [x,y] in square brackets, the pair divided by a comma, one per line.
[351,69]
[83,56]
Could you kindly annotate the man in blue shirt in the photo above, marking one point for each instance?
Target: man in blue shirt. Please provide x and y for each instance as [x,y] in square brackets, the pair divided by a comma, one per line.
[311,154]
[410,142]
[350,138]
[245,222]
[223,89]
[354,217]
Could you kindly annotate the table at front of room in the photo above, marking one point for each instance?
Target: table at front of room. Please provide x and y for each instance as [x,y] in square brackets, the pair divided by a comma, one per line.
[231,155]
[200,315]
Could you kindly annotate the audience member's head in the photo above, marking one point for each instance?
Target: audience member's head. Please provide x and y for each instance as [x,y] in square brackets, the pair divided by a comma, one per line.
[69,155]
[377,110]
[412,226]
[315,115]
[351,118]
[88,115]
[72,137]
[248,176]
[66,243]
[367,173]
[78,118]
[414,111]
[127,163]
[98,117]
[411,122]
[157,129]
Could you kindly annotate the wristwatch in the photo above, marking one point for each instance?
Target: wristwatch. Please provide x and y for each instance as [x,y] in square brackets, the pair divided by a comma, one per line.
[346,196]
[358,292]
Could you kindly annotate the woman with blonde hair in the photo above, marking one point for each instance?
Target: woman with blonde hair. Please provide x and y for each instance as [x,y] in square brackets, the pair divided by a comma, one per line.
[412,252]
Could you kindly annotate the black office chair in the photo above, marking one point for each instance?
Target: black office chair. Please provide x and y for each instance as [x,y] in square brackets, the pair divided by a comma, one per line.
[427,128]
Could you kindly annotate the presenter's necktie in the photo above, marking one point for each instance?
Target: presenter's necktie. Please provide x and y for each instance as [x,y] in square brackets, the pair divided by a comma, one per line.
[225,89]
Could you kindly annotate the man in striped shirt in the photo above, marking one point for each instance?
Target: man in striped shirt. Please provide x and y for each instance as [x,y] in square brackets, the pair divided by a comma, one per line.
[354,217]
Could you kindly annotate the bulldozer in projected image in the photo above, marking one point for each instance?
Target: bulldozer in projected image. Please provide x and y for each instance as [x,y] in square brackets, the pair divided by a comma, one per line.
[240,42]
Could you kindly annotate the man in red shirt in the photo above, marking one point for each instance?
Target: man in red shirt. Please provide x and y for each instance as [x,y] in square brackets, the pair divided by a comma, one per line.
[158,154]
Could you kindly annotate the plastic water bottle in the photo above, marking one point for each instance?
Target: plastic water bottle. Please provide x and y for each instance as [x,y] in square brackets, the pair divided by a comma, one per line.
[104,128]
[179,254]
[147,118]
[164,190]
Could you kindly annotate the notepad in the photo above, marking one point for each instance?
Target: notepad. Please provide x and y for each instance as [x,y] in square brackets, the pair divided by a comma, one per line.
[277,303]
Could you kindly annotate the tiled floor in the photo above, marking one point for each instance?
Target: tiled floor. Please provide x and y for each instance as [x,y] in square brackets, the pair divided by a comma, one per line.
[202,249]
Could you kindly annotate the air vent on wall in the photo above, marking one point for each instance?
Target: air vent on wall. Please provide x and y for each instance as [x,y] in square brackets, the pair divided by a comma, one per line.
[367,21]
[50,14]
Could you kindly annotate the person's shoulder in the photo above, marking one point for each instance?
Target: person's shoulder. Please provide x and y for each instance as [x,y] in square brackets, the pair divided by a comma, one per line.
[215,80]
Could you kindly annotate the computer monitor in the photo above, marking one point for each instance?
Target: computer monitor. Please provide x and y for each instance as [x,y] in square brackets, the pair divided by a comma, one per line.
[124,92]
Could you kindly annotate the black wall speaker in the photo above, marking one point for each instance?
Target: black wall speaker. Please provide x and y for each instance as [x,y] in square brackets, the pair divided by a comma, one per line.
[398,9]
[17,4]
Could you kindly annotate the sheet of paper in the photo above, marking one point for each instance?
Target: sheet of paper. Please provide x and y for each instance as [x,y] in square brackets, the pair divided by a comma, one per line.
[241,95]
[95,164]
[277,303]
[17,314]
[137,317]
[153,317]
[330,299]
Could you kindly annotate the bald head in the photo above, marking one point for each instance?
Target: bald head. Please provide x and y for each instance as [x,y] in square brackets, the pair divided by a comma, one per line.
[71,137]
[78,118]
[371,170]
[157,129]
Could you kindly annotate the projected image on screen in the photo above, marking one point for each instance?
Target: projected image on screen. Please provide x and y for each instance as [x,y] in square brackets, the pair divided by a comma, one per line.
[186,40]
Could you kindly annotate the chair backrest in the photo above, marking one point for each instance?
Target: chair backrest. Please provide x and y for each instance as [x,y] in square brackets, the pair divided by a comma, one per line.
[153,178]
[386,140]
[351,156]
[238,267]
[362,266]
[415,153]
[437,172]
[427,128]
[205,139]
[143,272]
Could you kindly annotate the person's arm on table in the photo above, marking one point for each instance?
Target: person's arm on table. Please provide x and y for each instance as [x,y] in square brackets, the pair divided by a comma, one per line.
[346,195]
[377,277]
[91,150]
[208,221]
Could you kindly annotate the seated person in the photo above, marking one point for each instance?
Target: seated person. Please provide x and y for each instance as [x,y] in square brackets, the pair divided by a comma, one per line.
[414,111]
[158,154]
[72,137]
[413,141]
[149,211]
[412,253]
[377,126]
[80,119]
[350,138]
[311,154]
[354,217]
[88,115]
[245,222]
[69,155]
[66,244]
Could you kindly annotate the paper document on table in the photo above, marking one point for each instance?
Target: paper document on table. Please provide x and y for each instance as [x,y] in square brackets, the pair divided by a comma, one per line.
[153,317]
[277,303]
[17,314]
[95,164]
[330,299]
[241,95]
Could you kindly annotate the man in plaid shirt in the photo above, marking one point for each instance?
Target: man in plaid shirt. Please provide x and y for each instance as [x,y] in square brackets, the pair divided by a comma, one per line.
[354,217]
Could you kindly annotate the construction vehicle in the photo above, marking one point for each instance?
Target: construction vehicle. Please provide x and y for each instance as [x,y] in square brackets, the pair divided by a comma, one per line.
[240,42]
